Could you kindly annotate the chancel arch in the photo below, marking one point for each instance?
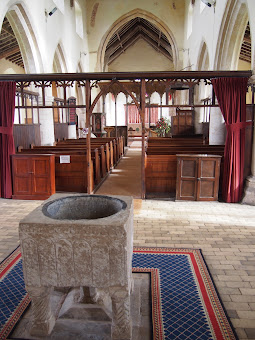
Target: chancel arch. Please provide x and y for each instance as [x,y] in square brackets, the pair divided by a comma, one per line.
[137,24]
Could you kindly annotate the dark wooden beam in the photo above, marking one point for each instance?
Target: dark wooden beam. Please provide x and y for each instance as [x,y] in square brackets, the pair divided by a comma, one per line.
[247,39]
[123,75]
[8,31]
[128,44]
[9,52]
[124,38]
[155,37]
[157,48]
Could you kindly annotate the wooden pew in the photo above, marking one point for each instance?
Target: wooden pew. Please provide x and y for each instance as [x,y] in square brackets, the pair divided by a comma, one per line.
[174,141]
[95,155]
[110,147]
[72,177]
[174,149]
[161,164]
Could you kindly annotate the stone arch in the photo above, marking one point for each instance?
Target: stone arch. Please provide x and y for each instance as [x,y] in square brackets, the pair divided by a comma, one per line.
[231,34]
[124,19]
[59,66]
[59,60]
[80,91]
[203,58]
[18,17]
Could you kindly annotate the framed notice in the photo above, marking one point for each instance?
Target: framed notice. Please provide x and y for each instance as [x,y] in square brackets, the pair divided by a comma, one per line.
[64,159]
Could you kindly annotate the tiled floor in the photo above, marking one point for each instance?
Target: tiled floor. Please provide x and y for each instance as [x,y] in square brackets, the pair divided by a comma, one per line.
[224,232]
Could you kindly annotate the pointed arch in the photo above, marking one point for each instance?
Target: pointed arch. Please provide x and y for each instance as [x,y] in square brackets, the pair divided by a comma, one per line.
[59,60]
[126,18]
[231,34]
[18,18]
[203,58]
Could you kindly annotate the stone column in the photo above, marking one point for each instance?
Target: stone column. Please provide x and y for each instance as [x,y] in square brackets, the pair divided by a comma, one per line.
[249,185]
[46,122]
[217,128]
[121,323]
[43,320]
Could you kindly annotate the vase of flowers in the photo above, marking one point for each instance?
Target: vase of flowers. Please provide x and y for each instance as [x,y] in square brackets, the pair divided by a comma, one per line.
[163,126]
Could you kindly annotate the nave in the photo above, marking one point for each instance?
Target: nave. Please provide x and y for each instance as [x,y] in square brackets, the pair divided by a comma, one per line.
[224,232]
[125,178]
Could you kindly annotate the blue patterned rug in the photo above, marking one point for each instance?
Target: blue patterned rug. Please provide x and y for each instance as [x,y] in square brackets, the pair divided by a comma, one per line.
[185,304]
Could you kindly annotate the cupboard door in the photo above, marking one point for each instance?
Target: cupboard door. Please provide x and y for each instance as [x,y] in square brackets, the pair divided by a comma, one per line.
[33,176]
[187,179]
[208,179]
[41,176]
[22,180]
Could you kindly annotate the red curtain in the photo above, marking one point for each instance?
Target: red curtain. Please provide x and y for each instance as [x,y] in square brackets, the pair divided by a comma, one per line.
[134,116]
[7,107]
[231,95]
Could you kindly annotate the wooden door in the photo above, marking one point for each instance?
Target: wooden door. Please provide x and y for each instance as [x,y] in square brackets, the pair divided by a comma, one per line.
[41,176]
[21,173]
[186,188]
[208,178]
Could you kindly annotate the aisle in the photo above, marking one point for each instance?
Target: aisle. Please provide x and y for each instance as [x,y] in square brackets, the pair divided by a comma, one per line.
[125,179]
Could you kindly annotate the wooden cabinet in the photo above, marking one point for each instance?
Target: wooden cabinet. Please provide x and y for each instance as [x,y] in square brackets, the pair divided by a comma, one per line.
[33,176]
[198,177]
[183,122]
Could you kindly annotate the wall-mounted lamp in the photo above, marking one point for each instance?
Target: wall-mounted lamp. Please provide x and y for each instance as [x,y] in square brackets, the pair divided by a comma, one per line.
[52,11]
[209,3]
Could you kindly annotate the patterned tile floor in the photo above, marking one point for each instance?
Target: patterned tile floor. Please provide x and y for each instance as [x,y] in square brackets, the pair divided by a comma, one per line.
[224,232]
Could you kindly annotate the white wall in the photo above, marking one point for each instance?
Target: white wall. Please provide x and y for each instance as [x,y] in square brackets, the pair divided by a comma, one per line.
[45,32]
[206,25]
[101,18]
[141,57]
[7,67]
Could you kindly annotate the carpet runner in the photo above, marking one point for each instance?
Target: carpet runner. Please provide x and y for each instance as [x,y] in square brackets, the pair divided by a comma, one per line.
[185,304]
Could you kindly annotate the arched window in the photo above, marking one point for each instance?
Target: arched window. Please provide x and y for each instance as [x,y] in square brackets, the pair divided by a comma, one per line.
[190,20]
[78,18]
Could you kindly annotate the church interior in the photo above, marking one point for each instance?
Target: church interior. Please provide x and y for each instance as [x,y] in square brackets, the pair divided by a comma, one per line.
[153,100]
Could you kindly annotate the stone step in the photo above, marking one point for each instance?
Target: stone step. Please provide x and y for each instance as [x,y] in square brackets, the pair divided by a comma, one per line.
[86,312]
[66,329]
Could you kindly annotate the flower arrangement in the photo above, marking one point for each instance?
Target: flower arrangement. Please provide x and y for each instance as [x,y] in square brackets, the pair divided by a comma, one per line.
[85,131]
[163,126]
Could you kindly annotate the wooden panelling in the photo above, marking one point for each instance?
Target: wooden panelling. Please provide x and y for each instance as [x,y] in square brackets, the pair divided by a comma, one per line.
[161,164]
[183,122]
[160,173]
[72,177]
[26,134]
[121,131]
[61,131]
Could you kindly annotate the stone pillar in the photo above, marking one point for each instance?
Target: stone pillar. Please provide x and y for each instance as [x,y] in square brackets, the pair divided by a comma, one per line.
[121,323]
[217,128]
[72,131]
[249,185]
[43,319]
[46,122]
